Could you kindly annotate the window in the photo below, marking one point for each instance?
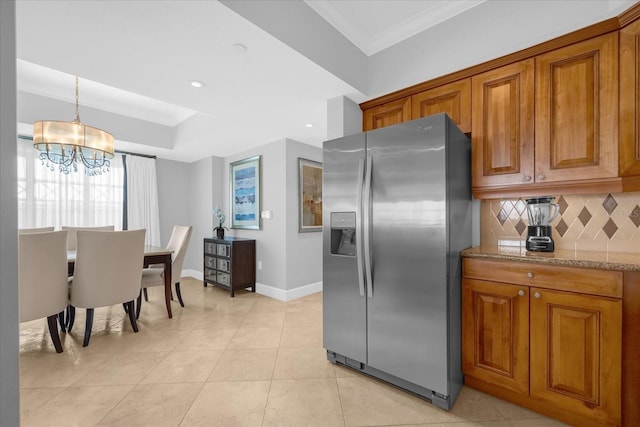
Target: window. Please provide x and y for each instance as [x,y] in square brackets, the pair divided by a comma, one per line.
[51,198]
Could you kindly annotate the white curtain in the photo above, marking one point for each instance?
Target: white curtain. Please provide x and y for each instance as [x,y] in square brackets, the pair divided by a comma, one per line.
[50,198]
[142,198]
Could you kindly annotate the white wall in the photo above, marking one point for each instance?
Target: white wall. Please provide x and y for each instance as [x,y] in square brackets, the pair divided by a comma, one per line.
[271,239]
[173,196]
[304,250]
[9,337]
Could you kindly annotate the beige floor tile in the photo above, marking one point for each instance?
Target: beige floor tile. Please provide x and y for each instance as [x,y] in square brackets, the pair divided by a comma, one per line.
[229,404]
[245,365]
[54,370]
[303,363]
[221,320]
[367,402]
[471,405]
[304,402]
[184,367]
[256,338]
[153,405]
[268,305]
[121,368]
[77,406]
[307,337]
[342,371]
[263,320]
[207,339]
[542,422]
[510,411]
[31,399]
[473,424]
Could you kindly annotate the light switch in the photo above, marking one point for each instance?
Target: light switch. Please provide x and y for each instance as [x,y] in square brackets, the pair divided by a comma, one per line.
[265,214]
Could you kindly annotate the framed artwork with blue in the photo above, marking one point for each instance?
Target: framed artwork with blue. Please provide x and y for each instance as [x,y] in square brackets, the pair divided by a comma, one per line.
[244,180]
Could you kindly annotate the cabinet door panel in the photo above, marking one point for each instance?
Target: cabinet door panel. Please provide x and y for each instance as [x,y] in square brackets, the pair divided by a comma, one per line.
[575,352]
[495,344]
[630,100]
[453,99]
[388,114]
[502,125]
[576,111]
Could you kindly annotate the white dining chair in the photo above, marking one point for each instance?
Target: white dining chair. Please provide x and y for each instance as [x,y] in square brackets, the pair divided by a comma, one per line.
[35,230]
[154,275]
[71,237]
[108,271]
[42,279]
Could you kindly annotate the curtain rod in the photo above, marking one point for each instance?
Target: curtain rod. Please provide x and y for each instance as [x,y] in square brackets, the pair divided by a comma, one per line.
[129,153]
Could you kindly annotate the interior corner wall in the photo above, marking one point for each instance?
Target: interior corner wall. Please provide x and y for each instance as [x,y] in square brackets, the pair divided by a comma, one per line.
[173,196]
[200,193]
[9,321]
[303,250]
[271,238]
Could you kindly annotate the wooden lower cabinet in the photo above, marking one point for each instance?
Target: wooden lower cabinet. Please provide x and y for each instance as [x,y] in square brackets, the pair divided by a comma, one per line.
[556,352]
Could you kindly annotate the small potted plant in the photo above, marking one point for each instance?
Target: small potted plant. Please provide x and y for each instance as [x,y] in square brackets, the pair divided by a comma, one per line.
[220,217]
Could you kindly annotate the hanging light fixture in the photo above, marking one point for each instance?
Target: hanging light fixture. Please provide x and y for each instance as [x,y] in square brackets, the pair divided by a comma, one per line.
[68,143]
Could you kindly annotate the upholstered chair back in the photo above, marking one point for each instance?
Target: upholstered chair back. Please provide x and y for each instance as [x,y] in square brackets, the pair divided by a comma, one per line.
[178,243]
[71,237]
[42,274]
[108,267]
[35,230]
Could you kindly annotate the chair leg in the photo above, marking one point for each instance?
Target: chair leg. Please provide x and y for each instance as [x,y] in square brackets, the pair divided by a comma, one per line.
[71,317]
[53,331]
[126,308]
[62,321]
[132,315]
[146,297]
[139,304]
[87,328]
[178,294]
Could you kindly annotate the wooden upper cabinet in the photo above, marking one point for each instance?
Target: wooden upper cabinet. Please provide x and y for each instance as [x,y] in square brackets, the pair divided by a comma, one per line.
[575,353]
[576,111]
[388,114]
[495,333]
[630,100]
[453,99]
[502,134]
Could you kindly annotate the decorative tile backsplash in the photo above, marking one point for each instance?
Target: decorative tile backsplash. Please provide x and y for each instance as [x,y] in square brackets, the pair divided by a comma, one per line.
[602,222]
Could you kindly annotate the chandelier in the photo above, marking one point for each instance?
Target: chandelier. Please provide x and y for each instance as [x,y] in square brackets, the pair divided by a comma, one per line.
[67,144]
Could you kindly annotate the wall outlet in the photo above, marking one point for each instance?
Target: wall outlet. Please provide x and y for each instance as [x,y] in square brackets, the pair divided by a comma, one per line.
[259,265]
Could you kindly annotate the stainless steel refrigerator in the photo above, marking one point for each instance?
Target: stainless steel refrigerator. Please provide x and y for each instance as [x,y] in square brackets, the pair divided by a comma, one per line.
[397,213]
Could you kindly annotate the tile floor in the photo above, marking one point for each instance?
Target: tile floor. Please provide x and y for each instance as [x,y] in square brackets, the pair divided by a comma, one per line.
[221,361]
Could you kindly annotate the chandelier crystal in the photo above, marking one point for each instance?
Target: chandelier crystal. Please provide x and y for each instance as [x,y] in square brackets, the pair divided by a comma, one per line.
[66,144]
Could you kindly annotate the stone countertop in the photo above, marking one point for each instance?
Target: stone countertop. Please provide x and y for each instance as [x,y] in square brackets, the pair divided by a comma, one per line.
[585,259]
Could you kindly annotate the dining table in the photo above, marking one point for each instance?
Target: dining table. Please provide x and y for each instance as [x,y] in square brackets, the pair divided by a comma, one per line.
[152,255]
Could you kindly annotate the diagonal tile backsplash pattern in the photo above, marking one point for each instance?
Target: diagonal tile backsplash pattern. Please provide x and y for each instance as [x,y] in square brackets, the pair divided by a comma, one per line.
[602,222]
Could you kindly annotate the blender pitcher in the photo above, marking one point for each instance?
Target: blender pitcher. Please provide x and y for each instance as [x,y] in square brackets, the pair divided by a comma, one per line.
[541,212]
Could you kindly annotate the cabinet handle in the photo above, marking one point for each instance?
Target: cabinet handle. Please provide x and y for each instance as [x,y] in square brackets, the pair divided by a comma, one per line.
[537,295]
[521,292]
[527,178]
[530,275]
[541,177]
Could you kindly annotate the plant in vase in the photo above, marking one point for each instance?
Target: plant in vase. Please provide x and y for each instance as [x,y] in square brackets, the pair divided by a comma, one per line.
[220,217]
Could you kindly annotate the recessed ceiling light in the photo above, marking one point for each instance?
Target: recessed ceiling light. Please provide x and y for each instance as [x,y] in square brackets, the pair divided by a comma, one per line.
[196,83]
[240,48]
[309,125]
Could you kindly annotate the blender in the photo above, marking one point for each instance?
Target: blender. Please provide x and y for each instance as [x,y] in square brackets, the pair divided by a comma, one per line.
[541,212]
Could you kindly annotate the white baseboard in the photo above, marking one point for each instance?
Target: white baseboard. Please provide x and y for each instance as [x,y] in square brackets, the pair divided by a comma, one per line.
[270,291]
[193,273]
[288,295]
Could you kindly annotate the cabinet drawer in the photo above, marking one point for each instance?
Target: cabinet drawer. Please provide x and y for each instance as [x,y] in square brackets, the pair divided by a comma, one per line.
[224,265]
[209,248]
[223,278]
[223,250]
[572,279]
[209,262]
[209,274]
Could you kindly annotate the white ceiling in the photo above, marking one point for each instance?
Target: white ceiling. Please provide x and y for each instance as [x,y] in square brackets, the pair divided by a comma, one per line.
[137,58]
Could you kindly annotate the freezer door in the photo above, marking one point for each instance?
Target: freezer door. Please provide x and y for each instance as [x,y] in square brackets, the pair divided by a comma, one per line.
[344,303]
[407,313]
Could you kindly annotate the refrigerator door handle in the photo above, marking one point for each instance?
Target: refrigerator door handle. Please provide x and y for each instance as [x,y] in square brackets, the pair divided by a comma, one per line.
[359,227]
[367,226]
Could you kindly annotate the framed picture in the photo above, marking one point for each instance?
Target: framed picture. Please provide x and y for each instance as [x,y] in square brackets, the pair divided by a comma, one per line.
[309,195]
[244,180]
